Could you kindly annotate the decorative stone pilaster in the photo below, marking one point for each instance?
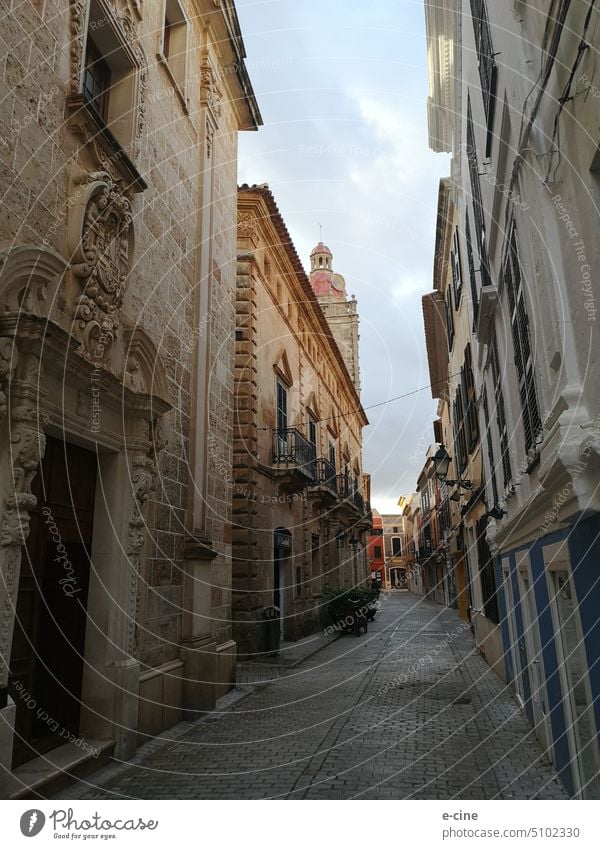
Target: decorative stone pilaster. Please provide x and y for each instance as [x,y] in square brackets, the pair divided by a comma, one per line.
[25,450]
[211,98]
[143,481]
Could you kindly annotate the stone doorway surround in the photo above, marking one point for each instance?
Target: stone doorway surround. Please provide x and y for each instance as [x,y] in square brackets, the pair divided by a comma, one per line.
[99,384]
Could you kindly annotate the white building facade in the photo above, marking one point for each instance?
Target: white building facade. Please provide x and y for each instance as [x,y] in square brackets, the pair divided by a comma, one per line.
[515,98]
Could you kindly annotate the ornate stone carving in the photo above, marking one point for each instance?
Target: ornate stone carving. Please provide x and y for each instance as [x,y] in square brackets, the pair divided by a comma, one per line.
[143,481]
[29,279]
[28,444]
[134,376]
[78,10]
[211,95]
[211,98]
[247,226]
[10,562]
[101,244]
[8,362]
[142,92]
[144,370]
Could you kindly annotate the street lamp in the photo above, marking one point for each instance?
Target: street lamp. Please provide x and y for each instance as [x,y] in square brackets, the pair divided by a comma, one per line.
[441,461]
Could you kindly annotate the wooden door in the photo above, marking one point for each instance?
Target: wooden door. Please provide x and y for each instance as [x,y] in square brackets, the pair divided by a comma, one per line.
[49,638]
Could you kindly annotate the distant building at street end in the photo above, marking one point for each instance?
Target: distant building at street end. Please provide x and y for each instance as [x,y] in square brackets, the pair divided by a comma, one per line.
[397,549]
[376,550]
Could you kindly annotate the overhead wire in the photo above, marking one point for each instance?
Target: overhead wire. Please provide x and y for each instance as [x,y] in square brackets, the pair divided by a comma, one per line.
[380,403]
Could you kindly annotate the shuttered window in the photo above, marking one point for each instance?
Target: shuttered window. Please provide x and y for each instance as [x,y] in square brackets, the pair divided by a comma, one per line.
[513,281]
[485,61]
[471,261]
[478,213]
[460,442]
[500,412]
[456,270]
[449,320]
[470,401]
[489,444]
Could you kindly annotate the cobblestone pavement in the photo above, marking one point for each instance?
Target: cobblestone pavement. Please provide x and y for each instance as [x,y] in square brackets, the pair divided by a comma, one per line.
[409,710]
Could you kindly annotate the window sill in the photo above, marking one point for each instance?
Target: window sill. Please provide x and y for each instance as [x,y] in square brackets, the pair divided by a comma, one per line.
[164,62]
[103,136]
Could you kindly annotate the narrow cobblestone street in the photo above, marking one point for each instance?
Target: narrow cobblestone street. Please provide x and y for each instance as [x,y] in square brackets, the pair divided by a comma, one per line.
[409,710]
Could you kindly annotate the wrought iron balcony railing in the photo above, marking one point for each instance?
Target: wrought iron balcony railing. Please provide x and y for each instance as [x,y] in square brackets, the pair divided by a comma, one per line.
[325,475]
[343,487]
[291,448]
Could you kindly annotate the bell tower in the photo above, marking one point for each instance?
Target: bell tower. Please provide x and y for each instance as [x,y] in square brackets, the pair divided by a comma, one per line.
[340,312]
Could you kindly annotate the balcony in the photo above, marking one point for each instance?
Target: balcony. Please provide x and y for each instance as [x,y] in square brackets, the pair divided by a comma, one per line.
[324,485]
[352,504]
[365,522]
[293,458]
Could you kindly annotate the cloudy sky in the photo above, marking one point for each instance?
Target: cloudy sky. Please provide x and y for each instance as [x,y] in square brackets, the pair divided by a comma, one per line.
[342,87]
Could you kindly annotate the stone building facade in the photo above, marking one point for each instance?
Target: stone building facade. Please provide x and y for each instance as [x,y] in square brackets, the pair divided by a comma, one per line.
[513,98]
[300,496]
[117,290]
[397,548]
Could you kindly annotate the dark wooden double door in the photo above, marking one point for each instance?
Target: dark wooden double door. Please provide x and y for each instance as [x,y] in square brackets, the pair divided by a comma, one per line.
[46,667]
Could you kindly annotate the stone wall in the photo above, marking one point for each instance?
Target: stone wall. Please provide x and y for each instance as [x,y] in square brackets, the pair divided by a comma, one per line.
[176,178]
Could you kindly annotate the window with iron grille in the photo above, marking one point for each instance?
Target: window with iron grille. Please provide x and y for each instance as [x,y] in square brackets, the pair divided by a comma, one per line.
[489,444]
[486,63]
[487,574]
[471,262]
[449,320]
[519,321]
[478,212]
[468,384]
[456,269]
[500,412]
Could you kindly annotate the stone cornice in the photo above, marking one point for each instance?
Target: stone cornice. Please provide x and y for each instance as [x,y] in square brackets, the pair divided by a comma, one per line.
[439,21]
[220,18]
